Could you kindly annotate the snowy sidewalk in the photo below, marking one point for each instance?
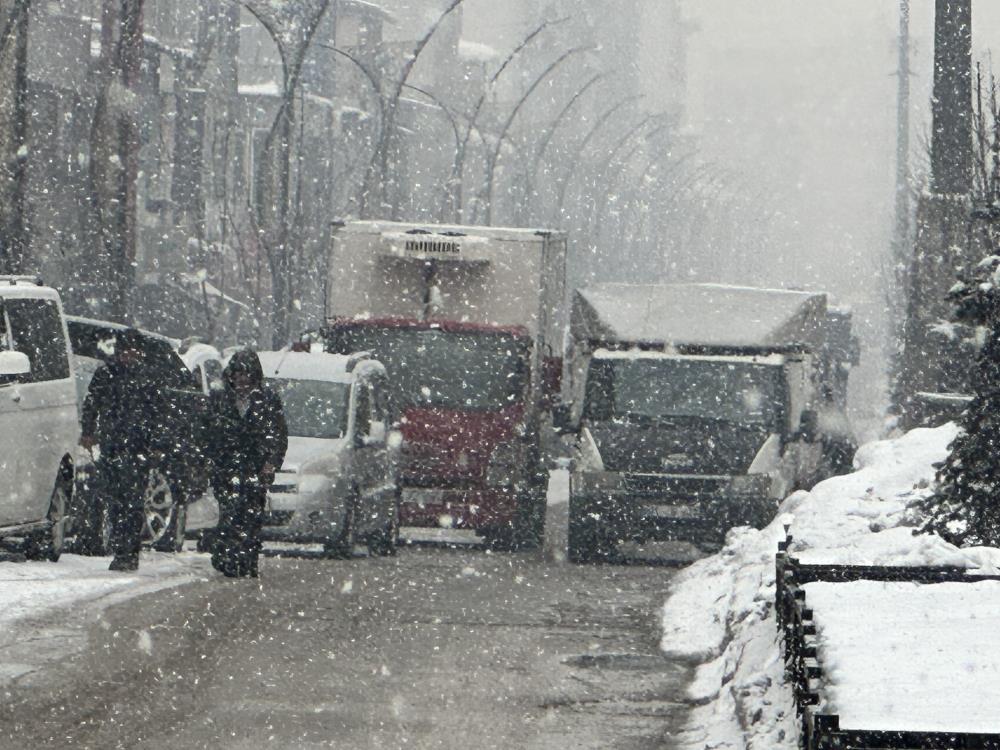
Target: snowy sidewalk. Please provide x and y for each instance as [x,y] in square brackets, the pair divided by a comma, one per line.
[44,606]
[721,615]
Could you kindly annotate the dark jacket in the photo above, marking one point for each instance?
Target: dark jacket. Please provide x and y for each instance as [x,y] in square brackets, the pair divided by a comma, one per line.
[241,444]
[125,411]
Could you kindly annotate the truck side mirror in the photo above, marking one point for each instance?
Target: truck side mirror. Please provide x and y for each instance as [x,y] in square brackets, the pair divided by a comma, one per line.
[809,426]
[562,419]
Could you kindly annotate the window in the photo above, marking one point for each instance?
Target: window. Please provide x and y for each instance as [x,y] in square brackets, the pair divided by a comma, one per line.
[36,330]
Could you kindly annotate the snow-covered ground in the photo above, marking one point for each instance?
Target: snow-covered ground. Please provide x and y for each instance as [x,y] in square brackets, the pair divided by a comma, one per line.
[720,613]
[36,596]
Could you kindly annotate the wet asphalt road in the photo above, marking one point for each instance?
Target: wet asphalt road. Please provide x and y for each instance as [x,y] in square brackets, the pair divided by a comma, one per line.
[436,648]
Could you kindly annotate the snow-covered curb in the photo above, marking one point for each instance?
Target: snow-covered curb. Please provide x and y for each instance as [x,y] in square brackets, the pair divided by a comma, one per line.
[720,612]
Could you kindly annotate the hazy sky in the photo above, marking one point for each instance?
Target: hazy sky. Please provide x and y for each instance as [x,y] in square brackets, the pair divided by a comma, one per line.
[800,99]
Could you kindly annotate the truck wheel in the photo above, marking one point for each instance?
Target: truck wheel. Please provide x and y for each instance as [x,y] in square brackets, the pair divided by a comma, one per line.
[383,542]
[529,525]
[587,542]
[48,543]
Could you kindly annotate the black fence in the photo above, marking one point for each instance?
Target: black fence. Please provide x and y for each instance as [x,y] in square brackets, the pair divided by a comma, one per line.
[804,669]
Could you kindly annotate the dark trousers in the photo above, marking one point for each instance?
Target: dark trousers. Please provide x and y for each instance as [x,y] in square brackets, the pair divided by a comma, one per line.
[124,477]
[236,542]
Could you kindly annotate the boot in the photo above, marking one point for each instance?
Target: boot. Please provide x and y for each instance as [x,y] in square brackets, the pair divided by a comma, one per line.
[124,563]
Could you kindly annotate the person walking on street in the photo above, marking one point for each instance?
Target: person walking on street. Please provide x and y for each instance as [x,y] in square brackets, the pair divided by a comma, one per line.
[250,438]
[121,417]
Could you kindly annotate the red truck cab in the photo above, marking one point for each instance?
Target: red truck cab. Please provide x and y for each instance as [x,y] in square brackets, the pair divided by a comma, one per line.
[467,322]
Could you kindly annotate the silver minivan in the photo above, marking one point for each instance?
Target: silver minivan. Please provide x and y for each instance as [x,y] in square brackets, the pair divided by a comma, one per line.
[39,429]
[338,483]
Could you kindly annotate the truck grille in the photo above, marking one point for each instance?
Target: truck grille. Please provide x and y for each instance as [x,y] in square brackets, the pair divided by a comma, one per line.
[668,485]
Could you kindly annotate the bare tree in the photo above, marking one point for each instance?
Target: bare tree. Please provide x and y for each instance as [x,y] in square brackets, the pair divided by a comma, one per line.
[114,153]
[377,176]
[291,25]
[13,132]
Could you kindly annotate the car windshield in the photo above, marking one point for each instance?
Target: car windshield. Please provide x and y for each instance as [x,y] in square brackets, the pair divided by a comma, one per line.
[313,408]
[725,390]
[462,371]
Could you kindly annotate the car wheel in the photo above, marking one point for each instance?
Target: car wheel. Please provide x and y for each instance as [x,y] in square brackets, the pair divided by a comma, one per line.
[341,547]
[172,539]
[159,507]
[383,543]
[48,544]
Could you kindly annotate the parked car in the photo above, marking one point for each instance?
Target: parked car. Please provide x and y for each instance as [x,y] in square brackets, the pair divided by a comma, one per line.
[339,482]
[39,428]
[177,480]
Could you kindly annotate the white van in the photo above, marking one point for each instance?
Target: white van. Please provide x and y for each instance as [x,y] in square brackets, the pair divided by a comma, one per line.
[39,429]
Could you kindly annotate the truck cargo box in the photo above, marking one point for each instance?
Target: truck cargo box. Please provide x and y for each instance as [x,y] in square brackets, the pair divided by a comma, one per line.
[699,316]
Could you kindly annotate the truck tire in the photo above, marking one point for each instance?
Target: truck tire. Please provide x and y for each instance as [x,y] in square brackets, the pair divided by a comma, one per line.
[529,526]
[587,540]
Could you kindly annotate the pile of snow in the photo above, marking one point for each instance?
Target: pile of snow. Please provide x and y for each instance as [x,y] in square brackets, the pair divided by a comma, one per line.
[720,613]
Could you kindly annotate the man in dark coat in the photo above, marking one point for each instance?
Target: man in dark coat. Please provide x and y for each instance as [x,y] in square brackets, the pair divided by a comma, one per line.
[123,414]
[249,439]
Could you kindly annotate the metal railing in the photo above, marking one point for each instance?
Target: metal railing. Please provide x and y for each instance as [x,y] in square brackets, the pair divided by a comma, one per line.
[804,669]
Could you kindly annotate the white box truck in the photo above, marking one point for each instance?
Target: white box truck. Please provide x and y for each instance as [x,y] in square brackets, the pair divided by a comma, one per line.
[468,322]
[696,408]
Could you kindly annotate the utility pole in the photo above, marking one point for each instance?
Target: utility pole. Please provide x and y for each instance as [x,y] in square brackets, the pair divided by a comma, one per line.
[902,240]
[902,236]
[951,140]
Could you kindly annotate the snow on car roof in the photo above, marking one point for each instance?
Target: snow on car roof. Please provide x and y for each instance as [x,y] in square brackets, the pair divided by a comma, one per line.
[705,315]
[310,366]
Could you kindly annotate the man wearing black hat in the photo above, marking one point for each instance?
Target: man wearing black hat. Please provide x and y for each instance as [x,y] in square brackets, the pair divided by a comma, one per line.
[249,439]
[122,415]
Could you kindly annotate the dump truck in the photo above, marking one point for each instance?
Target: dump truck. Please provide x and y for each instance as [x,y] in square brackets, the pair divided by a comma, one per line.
[469,323]
[694,408]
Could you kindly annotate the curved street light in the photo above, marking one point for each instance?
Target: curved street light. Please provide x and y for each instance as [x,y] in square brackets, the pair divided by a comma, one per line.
[591,134]
[543,145]
[492,164]
[458,167]
[378,165]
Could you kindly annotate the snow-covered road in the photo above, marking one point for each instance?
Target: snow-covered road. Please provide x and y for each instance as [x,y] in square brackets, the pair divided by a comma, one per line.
[44,606]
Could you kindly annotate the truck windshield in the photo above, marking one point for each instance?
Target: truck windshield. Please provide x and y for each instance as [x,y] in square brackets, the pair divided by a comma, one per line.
[721,390]
[434,368]
[313,408]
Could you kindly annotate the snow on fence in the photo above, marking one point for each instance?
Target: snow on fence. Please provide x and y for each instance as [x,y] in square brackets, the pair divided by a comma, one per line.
[813,682]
